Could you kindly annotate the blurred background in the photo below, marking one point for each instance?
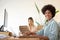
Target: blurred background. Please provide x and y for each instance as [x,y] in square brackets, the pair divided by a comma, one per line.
[20,10]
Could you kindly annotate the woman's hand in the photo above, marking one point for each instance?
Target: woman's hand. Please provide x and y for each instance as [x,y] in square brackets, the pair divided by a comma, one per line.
[29,33]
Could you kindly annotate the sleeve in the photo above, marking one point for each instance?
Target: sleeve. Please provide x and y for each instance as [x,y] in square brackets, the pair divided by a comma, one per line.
[53,34]
[40,32]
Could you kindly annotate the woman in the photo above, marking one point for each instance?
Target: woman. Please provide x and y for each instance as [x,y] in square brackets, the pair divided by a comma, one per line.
[50,29]
[31,26]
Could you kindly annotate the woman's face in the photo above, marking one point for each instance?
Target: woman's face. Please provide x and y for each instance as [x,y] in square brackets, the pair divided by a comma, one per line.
[30,22]
[48,14]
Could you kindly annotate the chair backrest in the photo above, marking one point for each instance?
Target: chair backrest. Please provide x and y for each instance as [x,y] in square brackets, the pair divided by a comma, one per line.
[23,29]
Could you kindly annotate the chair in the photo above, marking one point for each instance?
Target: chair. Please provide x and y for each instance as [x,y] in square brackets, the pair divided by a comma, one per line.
[23,29]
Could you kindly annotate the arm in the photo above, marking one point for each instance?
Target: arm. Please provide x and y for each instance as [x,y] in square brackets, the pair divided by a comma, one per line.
[40,32]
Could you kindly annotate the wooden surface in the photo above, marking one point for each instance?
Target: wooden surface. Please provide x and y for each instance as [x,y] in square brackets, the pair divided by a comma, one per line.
[23,38]
[5,33]
[23,29]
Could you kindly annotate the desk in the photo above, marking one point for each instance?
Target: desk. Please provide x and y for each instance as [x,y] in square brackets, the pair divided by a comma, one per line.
[6,33]
[23,38]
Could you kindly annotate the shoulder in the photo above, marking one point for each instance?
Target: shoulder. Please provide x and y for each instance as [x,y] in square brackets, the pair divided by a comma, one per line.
[53,22]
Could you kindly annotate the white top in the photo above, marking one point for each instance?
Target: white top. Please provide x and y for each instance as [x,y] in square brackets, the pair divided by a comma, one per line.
[32,29]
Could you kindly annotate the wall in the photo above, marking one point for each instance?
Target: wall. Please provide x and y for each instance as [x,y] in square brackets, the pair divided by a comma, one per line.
[19,11]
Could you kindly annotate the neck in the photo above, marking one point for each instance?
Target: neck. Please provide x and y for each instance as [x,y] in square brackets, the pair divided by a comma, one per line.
[49,19]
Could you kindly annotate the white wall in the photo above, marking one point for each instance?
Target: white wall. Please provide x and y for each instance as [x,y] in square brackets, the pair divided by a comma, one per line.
[56,3]
[20,10]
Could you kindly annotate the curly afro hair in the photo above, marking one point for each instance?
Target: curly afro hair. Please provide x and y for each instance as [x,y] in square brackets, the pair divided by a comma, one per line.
[49,7]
